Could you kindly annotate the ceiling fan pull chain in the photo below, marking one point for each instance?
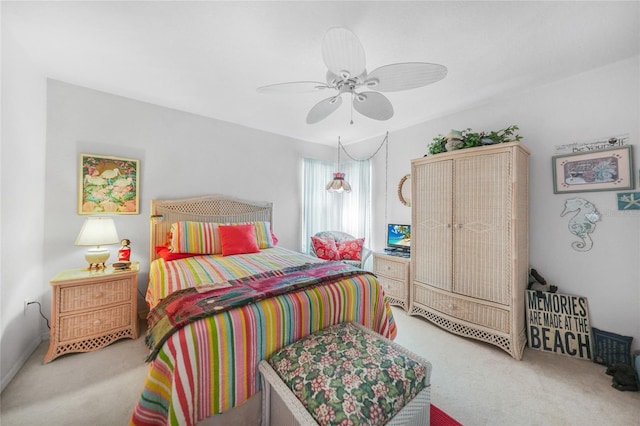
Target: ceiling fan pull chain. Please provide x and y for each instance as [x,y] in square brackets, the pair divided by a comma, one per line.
[351,122]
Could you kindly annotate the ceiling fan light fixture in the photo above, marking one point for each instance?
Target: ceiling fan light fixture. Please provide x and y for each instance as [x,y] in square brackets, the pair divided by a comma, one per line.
[345,59]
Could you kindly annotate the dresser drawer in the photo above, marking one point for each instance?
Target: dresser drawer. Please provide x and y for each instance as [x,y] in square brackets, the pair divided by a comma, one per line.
[396,269]
[393,288]
[76,298]
[96,323]
[473,312]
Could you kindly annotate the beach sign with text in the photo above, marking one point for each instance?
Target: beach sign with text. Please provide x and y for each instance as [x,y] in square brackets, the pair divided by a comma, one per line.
[559,323]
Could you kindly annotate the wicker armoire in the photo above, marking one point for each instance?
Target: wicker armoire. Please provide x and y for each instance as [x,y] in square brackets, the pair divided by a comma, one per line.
[469,242]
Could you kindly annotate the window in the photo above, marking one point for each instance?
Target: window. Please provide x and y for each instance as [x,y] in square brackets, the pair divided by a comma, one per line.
[331,211]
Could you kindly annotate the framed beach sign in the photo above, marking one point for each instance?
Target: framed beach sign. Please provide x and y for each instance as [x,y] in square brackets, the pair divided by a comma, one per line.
[602,170]
[108,185]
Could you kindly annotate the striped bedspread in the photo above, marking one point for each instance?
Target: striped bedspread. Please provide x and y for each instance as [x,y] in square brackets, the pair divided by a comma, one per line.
[167,277]
[210,366]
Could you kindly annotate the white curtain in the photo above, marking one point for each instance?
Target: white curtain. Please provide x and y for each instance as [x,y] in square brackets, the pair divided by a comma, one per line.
[331,211]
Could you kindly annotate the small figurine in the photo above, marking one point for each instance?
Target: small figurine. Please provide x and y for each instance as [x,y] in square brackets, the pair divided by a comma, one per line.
[453,140]
[124,254]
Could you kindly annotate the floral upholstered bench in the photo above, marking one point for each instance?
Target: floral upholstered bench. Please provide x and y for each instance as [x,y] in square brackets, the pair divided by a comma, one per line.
[345,374]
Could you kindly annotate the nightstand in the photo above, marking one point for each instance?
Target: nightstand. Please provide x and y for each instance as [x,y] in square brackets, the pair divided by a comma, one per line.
[393,275]
[92,309]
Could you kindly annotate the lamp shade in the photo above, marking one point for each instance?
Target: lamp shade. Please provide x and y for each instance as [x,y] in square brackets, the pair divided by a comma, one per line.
[338,184]
[97,231]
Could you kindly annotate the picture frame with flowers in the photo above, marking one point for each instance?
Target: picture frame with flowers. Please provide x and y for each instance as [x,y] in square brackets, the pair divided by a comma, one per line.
[108,185]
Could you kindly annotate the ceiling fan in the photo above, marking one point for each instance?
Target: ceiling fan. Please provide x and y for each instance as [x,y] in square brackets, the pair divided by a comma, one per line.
[344,57]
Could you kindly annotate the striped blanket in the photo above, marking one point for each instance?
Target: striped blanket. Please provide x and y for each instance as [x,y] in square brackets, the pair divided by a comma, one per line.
[166,278]
[210,365]
[186,306]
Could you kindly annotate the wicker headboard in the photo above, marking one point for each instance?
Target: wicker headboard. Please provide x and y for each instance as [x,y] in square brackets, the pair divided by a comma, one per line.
[207,208]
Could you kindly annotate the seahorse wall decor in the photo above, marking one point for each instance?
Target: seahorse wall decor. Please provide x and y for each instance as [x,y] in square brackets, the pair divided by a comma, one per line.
[582,223]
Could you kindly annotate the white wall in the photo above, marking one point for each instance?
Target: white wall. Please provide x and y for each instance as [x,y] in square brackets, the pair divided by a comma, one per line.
[595,104]
[181,155]
[22,210]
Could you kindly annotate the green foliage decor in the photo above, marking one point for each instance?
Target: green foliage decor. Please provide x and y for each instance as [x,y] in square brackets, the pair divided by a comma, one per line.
[471,139]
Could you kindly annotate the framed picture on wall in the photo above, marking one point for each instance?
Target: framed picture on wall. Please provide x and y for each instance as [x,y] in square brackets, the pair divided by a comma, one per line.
[628,201]
[108,185]
[604,170]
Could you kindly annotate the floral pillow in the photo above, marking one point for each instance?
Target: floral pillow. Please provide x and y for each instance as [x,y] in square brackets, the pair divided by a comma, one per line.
[325,248]
[350,249]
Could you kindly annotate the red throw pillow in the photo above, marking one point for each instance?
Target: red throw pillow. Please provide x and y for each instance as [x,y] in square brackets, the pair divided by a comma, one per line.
[167,255]
[325,248]
[350,249]
[238,239]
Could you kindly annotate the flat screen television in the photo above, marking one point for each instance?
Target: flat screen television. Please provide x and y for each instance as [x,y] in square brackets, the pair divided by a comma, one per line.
[399,236]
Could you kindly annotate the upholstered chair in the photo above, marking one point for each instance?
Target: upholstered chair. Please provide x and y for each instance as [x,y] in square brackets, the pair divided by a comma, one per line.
[339,237]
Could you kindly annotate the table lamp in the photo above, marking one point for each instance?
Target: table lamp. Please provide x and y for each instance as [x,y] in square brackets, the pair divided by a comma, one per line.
[97,231]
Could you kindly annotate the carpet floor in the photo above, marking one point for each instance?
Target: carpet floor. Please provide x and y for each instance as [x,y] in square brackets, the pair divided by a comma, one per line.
[473,382]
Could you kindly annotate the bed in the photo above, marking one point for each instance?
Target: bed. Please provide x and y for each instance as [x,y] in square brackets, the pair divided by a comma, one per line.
[205,370]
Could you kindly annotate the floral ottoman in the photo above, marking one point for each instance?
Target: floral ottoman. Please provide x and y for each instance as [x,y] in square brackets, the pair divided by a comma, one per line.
[345,375]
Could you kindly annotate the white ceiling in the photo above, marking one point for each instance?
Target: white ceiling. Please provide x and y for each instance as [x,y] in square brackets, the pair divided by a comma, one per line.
[209,57]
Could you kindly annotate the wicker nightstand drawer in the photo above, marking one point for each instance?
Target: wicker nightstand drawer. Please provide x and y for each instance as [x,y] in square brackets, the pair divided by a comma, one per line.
[393,288]
[92,309]
[391,268]
[74,327]
[94,295]
[393,275]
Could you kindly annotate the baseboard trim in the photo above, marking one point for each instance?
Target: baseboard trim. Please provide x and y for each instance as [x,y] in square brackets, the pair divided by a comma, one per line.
[4,382]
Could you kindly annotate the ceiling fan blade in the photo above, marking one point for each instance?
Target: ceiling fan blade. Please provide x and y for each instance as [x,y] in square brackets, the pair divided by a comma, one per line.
[293,87]
[323,109]
[332,79]
[404,76]
[342,53]
[373,105]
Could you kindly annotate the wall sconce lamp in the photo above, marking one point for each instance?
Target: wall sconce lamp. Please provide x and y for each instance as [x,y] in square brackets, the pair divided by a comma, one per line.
[96,232]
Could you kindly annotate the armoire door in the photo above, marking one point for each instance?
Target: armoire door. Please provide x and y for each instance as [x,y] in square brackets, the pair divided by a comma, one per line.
[482,214]
[431,244]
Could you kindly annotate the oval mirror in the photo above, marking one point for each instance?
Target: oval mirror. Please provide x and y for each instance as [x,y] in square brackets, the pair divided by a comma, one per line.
[404,190]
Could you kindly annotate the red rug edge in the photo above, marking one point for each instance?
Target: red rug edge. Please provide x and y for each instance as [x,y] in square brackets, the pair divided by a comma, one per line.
[440,418]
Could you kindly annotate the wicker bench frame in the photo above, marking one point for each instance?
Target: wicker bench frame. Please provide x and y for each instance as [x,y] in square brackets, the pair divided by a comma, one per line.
[281,407]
